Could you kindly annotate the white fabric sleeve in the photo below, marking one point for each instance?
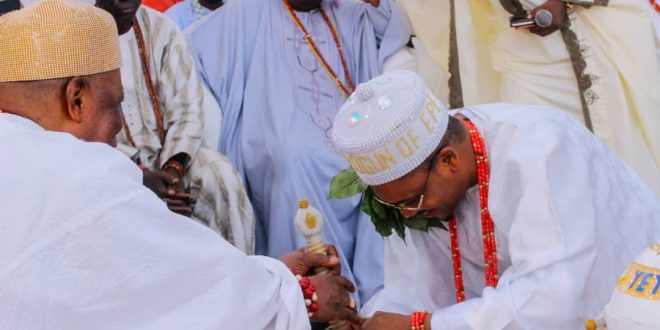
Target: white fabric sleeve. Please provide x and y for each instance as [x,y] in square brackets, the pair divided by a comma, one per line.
[551,239]
[103,252]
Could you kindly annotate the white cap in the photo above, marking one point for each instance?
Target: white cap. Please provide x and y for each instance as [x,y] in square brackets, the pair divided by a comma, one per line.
[389,126]
[635,302]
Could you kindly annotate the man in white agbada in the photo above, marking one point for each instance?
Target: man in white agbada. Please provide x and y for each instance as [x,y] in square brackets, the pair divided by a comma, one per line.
[85,244]
[597,61]
[544,215]
[172,125]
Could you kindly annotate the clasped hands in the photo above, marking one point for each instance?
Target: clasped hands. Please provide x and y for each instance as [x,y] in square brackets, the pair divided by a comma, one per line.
[332,288]
[168,185]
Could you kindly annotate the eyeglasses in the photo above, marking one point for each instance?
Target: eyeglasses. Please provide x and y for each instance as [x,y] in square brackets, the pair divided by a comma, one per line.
[405,206]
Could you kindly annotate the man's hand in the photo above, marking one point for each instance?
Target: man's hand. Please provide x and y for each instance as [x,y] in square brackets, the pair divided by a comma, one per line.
[303,262]
[170,189]
[178,185]
[390,321]
[334,302]
[558,10]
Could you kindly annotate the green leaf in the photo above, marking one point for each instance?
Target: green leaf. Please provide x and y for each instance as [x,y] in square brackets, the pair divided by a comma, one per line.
[437,223]
[379,209]
[418,222]
[346,184]
[399,226]
[381,223]
[366,205]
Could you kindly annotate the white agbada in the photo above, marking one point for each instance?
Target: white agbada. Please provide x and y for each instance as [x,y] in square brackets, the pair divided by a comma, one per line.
[569,216]
[86,246]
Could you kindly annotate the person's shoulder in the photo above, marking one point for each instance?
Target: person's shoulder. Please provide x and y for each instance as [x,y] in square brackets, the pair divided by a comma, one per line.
[61,156]
[177,9]
[533,128]
[238,9]
[158,22]
[521,116]
[234,12]
[346,7]
[345,4]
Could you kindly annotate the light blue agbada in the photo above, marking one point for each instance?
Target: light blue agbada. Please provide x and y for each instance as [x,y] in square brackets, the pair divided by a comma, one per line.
[279,105]
[184,13]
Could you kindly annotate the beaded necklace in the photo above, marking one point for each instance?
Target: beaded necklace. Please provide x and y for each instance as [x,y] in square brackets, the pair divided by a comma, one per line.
[344,89]
[487,226]
[153,96]
[655,5]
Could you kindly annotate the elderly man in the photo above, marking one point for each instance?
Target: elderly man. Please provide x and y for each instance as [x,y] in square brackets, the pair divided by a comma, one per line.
[516,213]
[85,244]
[280,70]
[163,113]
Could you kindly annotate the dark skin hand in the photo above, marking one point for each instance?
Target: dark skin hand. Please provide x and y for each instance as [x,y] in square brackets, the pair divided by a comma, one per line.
[558,10]
[303,262]
[332,289]
[169,187]
[333,300]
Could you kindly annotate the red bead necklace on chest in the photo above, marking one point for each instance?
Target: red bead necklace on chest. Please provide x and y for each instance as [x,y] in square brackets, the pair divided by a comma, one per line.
[345,89]
[153,95]
[487,226]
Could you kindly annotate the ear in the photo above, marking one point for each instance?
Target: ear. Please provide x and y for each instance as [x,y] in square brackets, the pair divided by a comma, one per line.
[76,93]
[448,159]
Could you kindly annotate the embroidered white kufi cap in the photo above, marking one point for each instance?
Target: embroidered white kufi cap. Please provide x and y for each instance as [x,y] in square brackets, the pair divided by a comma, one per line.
[389,126]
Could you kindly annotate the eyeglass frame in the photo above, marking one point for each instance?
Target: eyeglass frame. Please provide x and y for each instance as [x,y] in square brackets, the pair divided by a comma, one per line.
[418,209]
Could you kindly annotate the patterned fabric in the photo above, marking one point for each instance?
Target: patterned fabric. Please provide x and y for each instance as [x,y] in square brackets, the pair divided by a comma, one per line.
[57,40]
[222,203]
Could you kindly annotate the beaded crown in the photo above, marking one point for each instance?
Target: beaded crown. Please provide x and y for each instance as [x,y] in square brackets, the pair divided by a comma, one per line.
[389,126]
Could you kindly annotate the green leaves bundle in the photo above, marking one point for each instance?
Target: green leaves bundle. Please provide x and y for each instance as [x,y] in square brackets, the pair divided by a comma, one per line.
[386,219]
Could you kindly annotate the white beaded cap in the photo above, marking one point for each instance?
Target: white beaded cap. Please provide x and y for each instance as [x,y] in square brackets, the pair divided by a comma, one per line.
[389,126]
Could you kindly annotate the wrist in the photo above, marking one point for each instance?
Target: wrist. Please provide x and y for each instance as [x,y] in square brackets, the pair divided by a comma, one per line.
[419,320]
[309,293]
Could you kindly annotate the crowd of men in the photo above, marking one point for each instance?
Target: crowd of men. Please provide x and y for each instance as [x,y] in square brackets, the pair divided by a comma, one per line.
[475,166]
